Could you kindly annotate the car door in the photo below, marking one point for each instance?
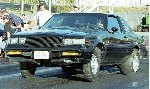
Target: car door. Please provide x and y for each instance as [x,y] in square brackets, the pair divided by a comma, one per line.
[130,39]
[115,48]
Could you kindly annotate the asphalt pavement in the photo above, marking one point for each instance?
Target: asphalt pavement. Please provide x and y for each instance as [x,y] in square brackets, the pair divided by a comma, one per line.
[5,62]
[54,78]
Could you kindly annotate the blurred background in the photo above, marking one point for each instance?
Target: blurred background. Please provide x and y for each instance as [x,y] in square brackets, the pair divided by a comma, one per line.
[131,10]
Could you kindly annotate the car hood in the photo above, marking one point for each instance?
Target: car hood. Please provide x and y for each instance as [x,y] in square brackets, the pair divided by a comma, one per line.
[52,32]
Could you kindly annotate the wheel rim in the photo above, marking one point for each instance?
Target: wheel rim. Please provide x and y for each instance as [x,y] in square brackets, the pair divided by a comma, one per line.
[94,64]
[135,63]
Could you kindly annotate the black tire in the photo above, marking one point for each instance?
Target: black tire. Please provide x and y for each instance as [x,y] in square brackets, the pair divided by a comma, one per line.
[131,65]
[91,69]
[27,69]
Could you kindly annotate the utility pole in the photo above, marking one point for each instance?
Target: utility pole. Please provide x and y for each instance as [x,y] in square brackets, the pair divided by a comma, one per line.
[140,2]
[49,5]
[109,6]
[22,6]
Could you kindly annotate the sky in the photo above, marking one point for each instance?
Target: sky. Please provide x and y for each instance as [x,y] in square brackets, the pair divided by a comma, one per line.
[107,2]
[114,2]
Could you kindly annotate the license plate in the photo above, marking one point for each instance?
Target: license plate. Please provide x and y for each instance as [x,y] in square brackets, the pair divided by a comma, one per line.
[41,55]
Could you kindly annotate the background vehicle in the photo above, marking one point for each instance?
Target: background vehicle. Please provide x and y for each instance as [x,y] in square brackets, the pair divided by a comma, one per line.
[73,41]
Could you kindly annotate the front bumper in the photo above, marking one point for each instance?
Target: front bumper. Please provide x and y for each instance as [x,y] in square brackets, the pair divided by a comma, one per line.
[58,54]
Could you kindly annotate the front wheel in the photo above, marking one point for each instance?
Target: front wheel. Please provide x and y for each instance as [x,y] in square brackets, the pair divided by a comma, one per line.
[27,69]
[91,69]
[131,65]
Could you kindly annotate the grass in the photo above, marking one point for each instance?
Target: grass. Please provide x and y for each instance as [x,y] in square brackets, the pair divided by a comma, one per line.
[142,9]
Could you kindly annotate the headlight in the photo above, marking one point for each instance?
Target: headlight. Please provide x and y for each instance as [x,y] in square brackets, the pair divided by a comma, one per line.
[13,40]
[73,41]
[22,40]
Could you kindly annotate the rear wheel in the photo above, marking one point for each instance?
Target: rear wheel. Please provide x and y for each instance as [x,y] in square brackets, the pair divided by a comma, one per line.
[91,69]
[27,69]
[131,65]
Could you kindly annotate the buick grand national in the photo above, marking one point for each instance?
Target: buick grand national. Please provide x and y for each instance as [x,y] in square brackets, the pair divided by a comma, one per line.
[83,41]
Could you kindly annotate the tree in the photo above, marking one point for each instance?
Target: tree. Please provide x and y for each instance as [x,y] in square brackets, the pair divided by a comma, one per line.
[63,5]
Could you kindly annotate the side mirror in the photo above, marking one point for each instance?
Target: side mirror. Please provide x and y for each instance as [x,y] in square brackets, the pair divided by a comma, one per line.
[39,27]
[114,29]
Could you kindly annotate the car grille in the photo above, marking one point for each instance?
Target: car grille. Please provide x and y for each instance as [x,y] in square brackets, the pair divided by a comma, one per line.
[43,41]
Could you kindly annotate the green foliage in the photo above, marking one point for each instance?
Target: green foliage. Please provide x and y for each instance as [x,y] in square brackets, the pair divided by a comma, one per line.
[25,1]
[31,1]
[62,6]
[126,9]
[30,5]
[60,9]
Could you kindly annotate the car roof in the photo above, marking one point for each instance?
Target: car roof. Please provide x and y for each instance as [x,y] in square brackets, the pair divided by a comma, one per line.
[84,13]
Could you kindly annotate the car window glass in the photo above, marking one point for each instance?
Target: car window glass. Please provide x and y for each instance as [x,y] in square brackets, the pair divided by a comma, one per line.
[112,22]
[125,28]
[77,21]
[52,22]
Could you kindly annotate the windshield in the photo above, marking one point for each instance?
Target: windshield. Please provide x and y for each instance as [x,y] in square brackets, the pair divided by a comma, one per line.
[76,20]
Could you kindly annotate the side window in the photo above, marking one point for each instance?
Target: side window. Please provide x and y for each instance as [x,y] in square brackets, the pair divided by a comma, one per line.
[125,28]
[112,22]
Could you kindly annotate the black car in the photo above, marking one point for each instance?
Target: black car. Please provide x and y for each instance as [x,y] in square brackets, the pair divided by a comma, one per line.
[73,41]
